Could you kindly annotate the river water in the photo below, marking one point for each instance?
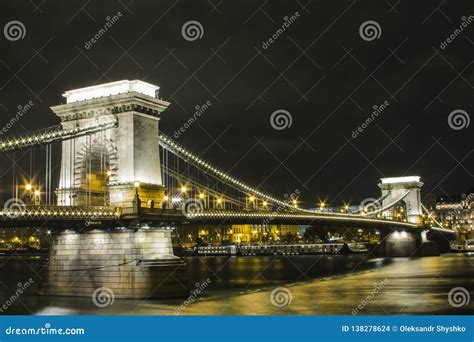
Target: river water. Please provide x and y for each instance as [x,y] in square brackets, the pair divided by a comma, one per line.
[280,285]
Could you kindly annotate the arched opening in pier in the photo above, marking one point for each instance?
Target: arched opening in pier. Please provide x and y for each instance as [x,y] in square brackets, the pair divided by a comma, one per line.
[94,171]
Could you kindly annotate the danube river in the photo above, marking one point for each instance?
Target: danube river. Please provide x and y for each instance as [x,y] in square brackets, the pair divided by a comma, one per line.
[283,285]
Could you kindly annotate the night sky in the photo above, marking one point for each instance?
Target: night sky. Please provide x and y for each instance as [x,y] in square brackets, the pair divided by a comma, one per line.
[319,70]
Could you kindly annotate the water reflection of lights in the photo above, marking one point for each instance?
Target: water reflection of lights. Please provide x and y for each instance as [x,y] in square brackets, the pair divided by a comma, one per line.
[56,311]
[377,261]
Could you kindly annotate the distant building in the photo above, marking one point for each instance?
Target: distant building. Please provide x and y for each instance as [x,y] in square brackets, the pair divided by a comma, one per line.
[23,238]
[456,212]
[239,234]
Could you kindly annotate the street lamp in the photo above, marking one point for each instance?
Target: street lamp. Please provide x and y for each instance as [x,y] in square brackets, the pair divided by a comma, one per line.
[28,188]
[136,184]
[37,197]
[183,189]
[251,202]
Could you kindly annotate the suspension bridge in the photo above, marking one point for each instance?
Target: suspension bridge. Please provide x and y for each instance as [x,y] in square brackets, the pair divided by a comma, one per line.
[118,174]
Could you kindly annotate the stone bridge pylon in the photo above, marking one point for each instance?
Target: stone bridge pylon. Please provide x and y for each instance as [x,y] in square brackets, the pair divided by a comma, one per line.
[396,187]
[101,169]
[108,168]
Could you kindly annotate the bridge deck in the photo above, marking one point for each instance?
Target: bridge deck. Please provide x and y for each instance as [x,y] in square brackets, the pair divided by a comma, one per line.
[106,217]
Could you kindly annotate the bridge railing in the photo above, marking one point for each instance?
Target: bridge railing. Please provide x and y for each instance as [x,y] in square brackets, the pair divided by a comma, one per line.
[56,133]
[58,212]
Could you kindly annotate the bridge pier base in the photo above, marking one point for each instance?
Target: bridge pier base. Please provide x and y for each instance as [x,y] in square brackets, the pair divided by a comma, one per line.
[119,264]
[407,244]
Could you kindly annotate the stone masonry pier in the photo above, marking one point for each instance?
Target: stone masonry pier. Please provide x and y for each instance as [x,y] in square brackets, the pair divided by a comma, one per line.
[127,263]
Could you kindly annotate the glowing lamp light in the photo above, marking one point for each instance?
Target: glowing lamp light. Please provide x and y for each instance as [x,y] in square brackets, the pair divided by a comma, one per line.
[166,198]
[183,189]
[136,184]
[37,193]
[393,180]
[201,196]
[264,203]
[112,88]
[28,187]
[251,198]
[219,200]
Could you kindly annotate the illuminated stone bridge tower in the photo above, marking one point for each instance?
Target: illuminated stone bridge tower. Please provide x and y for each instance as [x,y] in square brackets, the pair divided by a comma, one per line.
[105,168]
[403,243]
[102,168]
[397,187]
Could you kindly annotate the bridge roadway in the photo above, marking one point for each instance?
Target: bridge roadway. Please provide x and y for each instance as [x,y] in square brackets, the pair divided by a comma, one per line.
[57,217]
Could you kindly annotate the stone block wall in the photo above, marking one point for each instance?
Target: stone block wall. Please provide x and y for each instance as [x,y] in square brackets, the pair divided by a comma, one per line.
[131,264]
[407,244]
